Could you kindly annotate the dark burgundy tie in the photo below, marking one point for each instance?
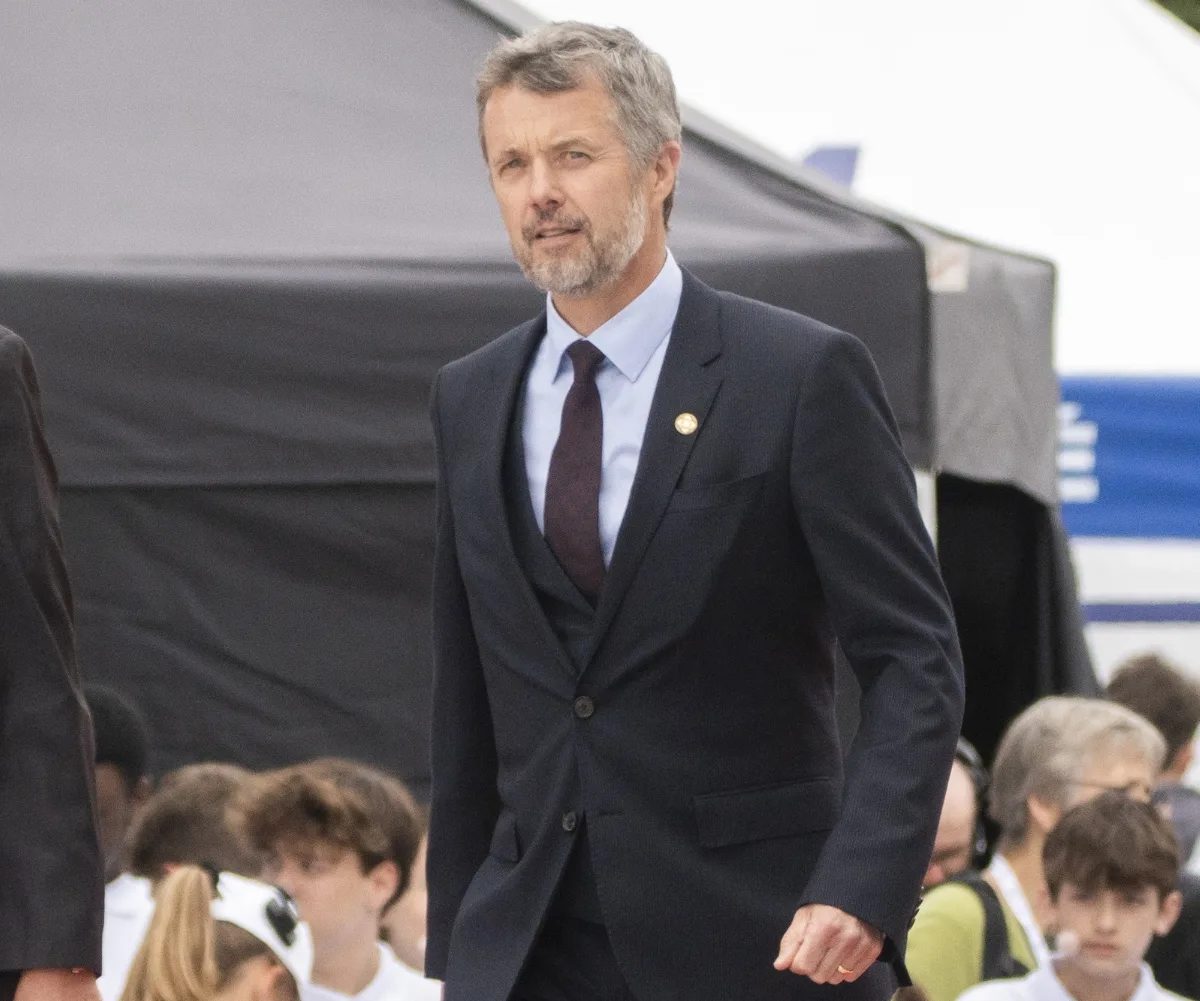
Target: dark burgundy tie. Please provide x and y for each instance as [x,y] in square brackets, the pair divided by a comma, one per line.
[573,487]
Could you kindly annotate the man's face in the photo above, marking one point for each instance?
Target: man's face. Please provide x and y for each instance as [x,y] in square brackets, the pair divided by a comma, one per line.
[1112,928]
[341,903]
[954,846]
[117,806]
[575,206]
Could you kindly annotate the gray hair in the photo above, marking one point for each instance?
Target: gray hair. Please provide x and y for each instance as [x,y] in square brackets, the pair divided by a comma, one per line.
[557,57]
[1049,746]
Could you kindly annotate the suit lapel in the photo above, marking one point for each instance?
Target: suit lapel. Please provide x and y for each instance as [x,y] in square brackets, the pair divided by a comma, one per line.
[510,380]
[688,384]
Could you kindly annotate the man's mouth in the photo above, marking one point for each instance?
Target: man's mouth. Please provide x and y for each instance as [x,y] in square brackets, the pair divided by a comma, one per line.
[555,232]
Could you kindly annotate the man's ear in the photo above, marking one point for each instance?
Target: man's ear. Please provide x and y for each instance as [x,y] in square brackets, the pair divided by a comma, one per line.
[666,168]
[385,880]
[1168,913]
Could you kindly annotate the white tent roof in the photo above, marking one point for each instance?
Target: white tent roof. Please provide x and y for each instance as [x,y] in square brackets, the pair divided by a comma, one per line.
[1065,128]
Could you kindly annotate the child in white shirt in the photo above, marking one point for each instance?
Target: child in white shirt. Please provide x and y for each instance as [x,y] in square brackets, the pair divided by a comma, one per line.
[1111,865]
[341,838]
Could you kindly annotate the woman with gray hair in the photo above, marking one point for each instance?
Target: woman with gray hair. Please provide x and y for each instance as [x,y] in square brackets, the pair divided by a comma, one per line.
[1058,753]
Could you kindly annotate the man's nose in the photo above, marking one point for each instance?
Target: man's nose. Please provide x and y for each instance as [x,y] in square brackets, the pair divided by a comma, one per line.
[544,190]
[935,875]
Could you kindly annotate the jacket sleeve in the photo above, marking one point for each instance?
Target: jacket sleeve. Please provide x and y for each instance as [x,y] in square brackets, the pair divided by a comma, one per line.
[52,888]
[855,499]
[464,803]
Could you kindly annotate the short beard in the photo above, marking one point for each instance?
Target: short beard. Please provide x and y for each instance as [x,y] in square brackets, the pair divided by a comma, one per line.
[601,262]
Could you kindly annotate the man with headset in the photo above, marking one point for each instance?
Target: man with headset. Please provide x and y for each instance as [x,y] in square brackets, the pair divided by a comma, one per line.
[960,841]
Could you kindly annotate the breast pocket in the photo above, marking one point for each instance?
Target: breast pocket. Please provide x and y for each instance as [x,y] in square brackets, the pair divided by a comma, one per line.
[780,810]
[714,495]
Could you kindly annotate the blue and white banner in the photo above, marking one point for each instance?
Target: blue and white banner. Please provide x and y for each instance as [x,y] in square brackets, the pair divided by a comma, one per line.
[1129,457]
[1129,479]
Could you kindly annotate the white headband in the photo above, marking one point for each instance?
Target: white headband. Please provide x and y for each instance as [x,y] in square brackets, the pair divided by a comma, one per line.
[268,914]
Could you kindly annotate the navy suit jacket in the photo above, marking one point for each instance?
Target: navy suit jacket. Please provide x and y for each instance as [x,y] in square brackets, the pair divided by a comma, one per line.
[51,875]
[705,758]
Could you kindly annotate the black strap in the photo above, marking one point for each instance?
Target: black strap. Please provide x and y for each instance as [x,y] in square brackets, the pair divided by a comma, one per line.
[998,960]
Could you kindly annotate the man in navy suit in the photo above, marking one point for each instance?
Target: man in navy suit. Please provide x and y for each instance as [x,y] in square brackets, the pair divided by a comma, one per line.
[659,507]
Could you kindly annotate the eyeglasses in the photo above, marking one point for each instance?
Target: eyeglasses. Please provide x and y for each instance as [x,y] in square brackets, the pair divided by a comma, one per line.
[1137,789]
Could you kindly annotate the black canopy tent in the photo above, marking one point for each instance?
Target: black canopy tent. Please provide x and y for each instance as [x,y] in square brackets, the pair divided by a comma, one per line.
[240,239]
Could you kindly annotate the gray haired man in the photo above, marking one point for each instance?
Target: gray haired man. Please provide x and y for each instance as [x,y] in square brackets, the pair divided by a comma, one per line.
[658,505]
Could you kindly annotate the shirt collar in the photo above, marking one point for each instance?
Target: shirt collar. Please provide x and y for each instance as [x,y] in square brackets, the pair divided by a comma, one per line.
[1049,986]
[634,334]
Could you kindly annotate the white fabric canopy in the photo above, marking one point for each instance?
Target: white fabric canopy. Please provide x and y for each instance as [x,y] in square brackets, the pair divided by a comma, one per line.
[1064,128]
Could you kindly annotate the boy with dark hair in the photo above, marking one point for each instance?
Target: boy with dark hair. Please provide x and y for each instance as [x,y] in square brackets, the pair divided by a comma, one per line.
[1111,867]
[341,838]
[190,819]
[1154,688]
[122,788]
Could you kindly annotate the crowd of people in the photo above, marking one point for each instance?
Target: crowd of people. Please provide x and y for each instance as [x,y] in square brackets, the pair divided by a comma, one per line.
[1093,833]
[303,883]
[306,883]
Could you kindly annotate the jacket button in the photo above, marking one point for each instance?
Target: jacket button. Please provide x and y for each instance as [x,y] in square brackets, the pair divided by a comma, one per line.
[569,821]
[584,707]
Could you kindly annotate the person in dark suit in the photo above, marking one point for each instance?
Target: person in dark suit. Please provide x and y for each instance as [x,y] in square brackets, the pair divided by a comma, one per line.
[51,872]
[659,507]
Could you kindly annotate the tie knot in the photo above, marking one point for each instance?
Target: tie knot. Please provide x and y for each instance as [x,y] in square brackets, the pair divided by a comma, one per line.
[586,358]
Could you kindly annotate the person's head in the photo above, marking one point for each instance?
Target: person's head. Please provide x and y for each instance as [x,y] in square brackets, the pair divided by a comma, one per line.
[236,941]
[1062,751]
[1154,688]
[955,845]
[341,838]
[580,129]
[190,819]
[122,785]
[1112,865]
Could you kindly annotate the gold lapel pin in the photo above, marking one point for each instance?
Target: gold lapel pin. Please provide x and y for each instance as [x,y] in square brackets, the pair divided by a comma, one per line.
[686,423]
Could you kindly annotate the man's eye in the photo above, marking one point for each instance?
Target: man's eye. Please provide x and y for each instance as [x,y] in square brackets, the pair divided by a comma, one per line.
[575,154]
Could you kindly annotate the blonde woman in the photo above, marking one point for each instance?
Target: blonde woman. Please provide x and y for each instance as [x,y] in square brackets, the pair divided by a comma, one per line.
[237,940]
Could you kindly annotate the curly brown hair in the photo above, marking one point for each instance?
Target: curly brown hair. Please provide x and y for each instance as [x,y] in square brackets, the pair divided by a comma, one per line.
[337,802]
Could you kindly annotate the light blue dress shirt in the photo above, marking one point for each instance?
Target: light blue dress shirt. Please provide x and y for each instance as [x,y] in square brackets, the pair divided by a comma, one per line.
[634,343]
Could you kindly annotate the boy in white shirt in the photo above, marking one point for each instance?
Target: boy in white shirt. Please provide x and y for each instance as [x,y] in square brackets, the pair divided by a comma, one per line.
[341,838]
[1111,865]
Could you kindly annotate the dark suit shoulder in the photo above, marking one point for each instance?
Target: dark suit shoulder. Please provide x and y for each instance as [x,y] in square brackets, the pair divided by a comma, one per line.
[12,350]
[18,383]
[773,342]
[484,364]
[764,326]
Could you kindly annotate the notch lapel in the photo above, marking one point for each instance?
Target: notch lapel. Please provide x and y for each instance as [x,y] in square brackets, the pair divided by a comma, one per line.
[688,384]
[511,378]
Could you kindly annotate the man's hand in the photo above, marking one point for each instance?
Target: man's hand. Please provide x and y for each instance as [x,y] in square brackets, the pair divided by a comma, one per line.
[57,985]
[821,939]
